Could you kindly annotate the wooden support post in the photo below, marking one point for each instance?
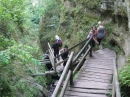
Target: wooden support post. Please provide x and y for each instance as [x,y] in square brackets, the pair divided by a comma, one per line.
[65,84]
[52,57]
[90,49]
[113,88]
[58,86]
[71,77]
[117,88]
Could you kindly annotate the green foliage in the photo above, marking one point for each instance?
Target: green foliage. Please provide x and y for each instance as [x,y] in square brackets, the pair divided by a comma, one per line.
[5,42]
[124,79]
[20,52]
[11,10]
[27,91]
[19,21]
[5,89]
[124,76]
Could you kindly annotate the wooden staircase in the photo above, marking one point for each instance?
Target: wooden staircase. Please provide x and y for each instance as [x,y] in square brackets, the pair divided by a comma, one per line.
[95,77]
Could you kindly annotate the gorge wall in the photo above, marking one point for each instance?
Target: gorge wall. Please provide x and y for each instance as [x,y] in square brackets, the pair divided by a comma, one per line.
[72,19]
[122,29]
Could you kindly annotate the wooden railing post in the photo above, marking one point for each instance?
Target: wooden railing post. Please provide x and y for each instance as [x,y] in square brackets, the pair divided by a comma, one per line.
[58,86]
[116,87]
[52,57]
[90,49]
[71,77]
[113,87]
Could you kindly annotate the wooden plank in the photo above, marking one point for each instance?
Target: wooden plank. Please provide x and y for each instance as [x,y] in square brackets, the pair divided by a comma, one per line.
[99,61]
[77,94]
[103,57]
[97,69]
[109,63]
[104,53]
[99,66]
[93,91]
[97,77]
[102,72]
[91,72]
[93,79]
[95,74]
[98,58]
[91,85]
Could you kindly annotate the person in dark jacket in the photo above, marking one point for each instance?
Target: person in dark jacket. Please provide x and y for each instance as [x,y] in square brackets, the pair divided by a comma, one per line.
[65,55]
[55,48]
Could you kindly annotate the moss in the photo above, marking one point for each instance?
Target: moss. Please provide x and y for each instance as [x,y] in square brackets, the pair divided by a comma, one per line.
[121,10]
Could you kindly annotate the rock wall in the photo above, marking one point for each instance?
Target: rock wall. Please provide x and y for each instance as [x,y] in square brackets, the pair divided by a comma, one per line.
[122,29]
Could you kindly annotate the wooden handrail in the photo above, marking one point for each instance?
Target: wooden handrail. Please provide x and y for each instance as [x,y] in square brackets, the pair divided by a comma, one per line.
[75,46]
[71,73]
[80,52]
[116,88]
[55,93]
[65,83]
[79,64]
[52,57]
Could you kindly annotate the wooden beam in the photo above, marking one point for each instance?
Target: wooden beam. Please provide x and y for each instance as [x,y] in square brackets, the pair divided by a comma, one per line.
[74,46]
[80,52]
[43,74]
[79,64]
[61,62]
[51,52]
[57,88]
[52,62]
[65,84]
[118,94]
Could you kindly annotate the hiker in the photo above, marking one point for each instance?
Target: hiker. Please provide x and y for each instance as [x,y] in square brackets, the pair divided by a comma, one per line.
[100,33]
[65,55]
[58,39]
[93,33]
[55,48]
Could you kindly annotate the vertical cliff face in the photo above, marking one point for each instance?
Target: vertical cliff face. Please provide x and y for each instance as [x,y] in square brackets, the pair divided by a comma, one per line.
[72,19]
[122,29]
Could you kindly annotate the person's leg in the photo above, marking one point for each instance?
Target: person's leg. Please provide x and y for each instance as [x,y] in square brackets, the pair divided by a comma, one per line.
[57,53]
[54,53]
[64,63]
[99,41]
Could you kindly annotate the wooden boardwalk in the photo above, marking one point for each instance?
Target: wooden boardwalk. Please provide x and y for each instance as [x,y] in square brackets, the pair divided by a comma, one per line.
[95,76]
